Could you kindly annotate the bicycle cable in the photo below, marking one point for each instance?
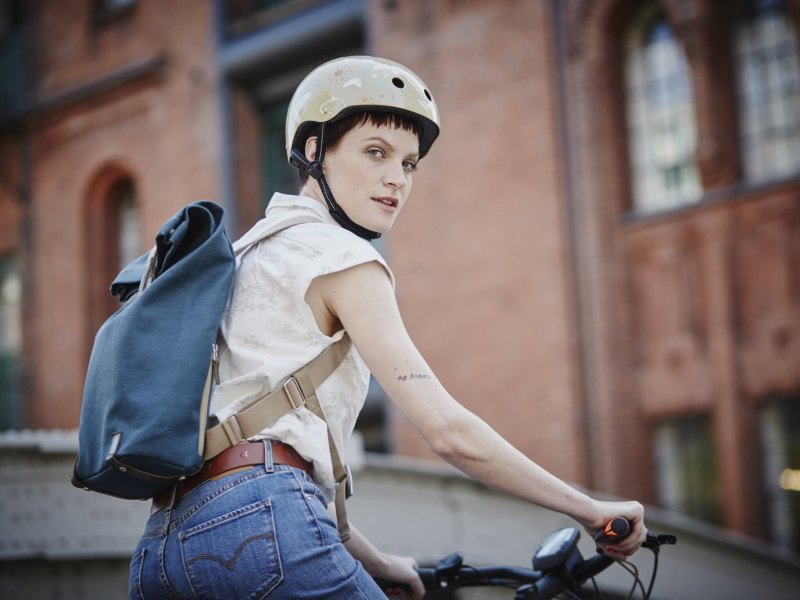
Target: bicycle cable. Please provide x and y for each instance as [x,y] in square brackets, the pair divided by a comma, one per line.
[634,572]
[489,580]
[655,570]
[597,589]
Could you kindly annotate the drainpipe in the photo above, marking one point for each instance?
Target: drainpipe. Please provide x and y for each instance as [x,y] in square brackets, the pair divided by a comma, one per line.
[24,196]
[225,159]
[559,21]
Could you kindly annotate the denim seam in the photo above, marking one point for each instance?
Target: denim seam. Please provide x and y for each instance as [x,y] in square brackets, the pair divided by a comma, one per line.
[312,517]
[162,571]
[331,552]
[137,586]
[345,576]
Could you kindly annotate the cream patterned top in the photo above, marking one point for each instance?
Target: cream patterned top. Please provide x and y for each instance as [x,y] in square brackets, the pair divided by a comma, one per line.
[268,330]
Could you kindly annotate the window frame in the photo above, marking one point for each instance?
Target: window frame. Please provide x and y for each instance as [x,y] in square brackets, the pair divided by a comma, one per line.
[743,13]
[638,119]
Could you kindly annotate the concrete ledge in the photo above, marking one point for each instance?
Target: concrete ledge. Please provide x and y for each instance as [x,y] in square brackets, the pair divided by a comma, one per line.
[57,538]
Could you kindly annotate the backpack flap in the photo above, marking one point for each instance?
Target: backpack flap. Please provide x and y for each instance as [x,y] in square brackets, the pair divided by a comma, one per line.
[126,284]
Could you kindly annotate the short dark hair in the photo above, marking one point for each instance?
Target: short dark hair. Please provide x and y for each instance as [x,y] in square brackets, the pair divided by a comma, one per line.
[335,130]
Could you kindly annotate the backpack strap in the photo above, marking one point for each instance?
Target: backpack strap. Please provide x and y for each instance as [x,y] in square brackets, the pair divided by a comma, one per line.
[300,389]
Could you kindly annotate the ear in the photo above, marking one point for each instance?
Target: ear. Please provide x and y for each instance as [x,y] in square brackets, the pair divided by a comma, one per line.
[311,148]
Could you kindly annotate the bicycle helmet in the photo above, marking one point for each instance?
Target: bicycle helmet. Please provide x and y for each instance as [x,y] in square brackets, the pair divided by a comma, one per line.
[347,85]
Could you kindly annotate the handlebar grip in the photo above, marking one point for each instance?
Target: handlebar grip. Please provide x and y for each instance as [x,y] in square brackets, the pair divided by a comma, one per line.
[616,530]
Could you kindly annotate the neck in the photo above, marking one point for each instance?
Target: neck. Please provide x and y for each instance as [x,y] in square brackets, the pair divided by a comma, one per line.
[311,190]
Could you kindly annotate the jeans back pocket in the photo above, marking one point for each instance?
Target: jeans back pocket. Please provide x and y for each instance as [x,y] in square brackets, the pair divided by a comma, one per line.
[234,555]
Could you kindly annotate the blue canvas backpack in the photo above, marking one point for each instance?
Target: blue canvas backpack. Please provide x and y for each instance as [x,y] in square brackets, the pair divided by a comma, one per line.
[145,401]
[145,415]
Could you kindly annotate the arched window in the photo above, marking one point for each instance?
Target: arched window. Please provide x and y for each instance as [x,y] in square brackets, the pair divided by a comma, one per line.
[662,136]
[10,343]
[127,222]
[113,240]
[768,91]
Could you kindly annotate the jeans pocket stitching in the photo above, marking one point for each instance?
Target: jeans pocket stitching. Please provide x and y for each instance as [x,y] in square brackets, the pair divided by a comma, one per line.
[216,493]
[264,585]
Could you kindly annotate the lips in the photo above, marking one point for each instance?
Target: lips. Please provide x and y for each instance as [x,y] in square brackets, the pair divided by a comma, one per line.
[386,201]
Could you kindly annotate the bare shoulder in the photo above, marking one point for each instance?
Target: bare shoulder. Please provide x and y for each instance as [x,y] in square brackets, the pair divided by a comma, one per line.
[365,278]
[349,295]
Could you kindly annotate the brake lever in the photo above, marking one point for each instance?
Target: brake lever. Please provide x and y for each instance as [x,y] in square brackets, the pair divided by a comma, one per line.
[653,540]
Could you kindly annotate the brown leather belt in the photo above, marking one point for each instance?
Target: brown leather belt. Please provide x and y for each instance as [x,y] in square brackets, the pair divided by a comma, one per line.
[247,454]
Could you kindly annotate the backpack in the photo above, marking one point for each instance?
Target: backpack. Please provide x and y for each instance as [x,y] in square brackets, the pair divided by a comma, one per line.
[144,416]
[145,399]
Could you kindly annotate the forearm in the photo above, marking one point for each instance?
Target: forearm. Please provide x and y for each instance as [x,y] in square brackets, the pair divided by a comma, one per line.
[471,445]
[475,448]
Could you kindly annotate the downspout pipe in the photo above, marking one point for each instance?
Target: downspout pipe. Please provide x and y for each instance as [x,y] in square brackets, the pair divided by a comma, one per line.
[560,42]
[226,158]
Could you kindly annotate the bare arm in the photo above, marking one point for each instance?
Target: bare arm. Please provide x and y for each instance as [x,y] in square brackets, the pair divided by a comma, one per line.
[363,300]
[401,569]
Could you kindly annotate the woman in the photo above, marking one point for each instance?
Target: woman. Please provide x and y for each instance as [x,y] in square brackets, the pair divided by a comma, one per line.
[255,523]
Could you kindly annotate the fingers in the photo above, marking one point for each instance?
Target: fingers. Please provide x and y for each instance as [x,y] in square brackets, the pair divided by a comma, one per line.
[634,513]
[615,553]
[401,594]
[403,570]
[618,553]
[418,589]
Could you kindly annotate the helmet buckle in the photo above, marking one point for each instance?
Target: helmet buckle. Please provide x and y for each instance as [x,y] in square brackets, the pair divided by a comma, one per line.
[315,170]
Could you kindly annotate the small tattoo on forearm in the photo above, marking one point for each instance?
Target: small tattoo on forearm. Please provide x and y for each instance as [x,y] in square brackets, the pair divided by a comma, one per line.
[412,376]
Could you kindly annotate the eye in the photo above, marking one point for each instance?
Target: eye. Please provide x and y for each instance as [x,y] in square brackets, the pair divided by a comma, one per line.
[376,152]
[410,166]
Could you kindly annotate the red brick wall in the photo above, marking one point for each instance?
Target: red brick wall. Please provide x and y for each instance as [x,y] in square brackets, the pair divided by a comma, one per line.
[161,130]
[480,252]
[691,311]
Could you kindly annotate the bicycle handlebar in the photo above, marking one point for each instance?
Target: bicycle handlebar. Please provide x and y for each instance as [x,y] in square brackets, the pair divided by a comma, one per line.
[547,584]
[563,566]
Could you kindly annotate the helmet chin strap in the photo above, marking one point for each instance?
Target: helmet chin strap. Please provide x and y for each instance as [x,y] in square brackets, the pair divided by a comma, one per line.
[337,212]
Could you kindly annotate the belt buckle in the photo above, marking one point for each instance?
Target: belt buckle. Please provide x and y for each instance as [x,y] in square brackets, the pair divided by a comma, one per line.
[294,393]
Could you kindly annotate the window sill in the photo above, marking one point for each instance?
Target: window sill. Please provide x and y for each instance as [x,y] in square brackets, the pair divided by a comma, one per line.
[736,192]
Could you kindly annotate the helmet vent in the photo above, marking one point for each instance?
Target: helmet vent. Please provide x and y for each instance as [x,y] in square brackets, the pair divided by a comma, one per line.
[398,83]
[428,95]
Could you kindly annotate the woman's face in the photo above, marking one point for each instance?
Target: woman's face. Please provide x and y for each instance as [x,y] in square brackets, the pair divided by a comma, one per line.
[370,173]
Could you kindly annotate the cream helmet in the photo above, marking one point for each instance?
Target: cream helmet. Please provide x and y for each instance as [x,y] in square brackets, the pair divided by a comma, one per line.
[347,85]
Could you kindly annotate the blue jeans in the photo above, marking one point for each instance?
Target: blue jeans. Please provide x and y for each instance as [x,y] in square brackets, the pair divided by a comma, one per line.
[259,533]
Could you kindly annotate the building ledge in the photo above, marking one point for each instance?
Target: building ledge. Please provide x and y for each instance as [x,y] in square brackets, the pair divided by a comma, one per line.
[405,506]
[131,74]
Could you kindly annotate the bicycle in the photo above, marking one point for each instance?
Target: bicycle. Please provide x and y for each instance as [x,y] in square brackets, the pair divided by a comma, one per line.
[559,569]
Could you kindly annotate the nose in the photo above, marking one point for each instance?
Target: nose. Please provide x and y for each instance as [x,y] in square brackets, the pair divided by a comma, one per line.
[395,176]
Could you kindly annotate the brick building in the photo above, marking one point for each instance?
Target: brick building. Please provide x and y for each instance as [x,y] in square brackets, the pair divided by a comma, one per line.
[601,256]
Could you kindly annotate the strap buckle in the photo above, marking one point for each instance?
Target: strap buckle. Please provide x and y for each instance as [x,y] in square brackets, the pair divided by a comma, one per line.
[347,480]
[232,430]
[294,393]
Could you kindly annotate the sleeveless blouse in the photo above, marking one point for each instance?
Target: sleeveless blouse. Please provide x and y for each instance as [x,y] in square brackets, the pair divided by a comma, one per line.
[268,330]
